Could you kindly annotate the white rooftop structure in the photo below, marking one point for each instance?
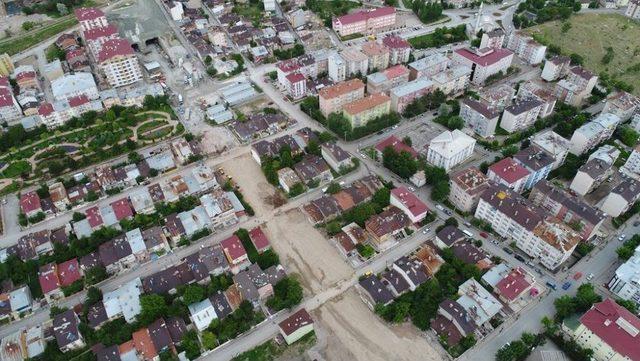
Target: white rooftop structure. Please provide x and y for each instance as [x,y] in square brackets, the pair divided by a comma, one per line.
[141,200]
[238,93]
[194,220]
[478,302]
[496,274]
[71,85]
[202,313]
[135,240]
[450,148]
[626,281]
[219,114]
[124,300]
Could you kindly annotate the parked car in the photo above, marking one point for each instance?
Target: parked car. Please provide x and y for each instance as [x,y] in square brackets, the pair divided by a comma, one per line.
[519,258]
[577,276]
[484,234]
[622,237]
[551,285]
[590,276]
[507,249]
[566,285]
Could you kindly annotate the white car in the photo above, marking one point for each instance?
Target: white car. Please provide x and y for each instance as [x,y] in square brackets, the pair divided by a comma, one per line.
[622,237]
[590,277]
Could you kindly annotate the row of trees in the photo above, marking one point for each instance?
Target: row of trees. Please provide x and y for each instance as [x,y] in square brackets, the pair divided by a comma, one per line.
[440,37]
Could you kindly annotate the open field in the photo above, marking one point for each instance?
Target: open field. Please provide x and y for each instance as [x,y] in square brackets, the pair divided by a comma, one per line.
[304,251]
[590,35]
[356,333]
[16,44]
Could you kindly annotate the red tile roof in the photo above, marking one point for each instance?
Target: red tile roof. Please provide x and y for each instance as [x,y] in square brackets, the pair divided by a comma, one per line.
[69,272]
[48,278]
[395,71]
[509,170]
[232,246]
[364,15]
[395,42]
[25,75]
[295,322]
[616,326]
[94,217]
[45,109]
[78,100]
[84,14]
[397,145]
[30,202]
[295,77]
[101,32]
[259,239]
[514,284]
[122,209]
[410,201]
[144,344]
[75,53]
[484,60]
[114,47]
[6,95]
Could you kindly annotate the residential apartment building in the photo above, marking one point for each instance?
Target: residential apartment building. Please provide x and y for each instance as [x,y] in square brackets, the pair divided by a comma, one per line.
[552,243]
[119,63]
[428,66]
[570,209]
[543,94]
[537,161]
[520,115]
[407,202]
[336,67]
[377,55]
[73,85]
[403,95]
[598,167]
[622,104]
[631,167]
[365,21]
[452,81]
[399,49]
[525,47]
[90,18]
[555,68]
[356,62]
[479,117]
[609,330]
[626,281]
[492,39]
[6,65]
[360,111]
[499,96]
[484,62]
[621,197]
[554,144]
[58,113]
[296,85]
[466,186]
[334,97]
[304,64]
[449,149]
[385,80]
[96,37]
[633,9]
[569,93]
[593,133]
[509,173]
[9,107]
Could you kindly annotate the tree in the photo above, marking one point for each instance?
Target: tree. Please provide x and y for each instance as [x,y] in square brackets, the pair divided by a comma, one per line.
[407,140]
[95,275]
[152,307]
[77,216]
[455,122]
[287,293]
[193,293]
[565,306]
[628,136]
[629,305]
[209,340]
[586,297]
[313,148]
[190,345]
[402,164]
[333,188]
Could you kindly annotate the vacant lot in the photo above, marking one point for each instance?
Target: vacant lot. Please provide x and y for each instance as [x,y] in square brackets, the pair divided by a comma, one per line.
[303,250]
[356,333]
[590,35]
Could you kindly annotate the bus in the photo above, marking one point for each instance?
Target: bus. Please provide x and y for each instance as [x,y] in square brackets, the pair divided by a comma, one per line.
[467,233]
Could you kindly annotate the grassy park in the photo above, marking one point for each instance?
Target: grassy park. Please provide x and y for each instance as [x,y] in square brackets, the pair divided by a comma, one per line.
[608,43]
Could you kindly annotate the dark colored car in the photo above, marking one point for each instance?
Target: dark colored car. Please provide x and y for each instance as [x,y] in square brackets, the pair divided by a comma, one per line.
[519,258]
[507,249]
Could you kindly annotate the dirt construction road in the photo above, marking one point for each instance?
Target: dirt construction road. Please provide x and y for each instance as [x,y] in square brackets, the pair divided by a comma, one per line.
[356,333]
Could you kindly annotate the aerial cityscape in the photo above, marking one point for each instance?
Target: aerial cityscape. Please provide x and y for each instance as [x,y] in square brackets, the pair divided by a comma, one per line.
[257,180]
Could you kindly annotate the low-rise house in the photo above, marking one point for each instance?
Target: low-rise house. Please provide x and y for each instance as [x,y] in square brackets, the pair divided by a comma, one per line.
[202,314]
[322,209]
[397,145]
[313,169]
[335,156]
[296,326]
[136,242]
[287,178]
[448,236]
[409,203]
[116,255]
[411,271]
[66,332]
[144,344]
[141,201]
[21,301]
[259,240]
[49,282]
[385,228]
[395,282]
[69,272]
[571,209]
[514,286]
[235,253]
[30,204]
[621,197]
[453,322]
[374,291]
[479,303]
[465,188]
[124,301]
[468,253]
[480,117]
[58,195]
